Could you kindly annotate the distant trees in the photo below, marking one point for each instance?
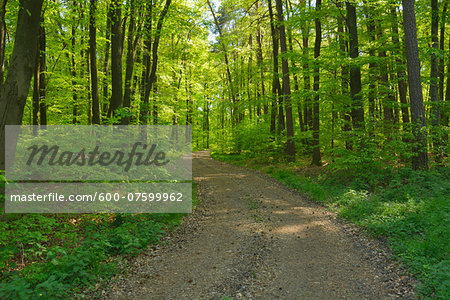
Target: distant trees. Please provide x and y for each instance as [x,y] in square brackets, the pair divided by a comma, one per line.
[342,65]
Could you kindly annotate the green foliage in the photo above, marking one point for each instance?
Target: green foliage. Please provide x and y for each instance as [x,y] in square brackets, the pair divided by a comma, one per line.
[63,254]
[407,208]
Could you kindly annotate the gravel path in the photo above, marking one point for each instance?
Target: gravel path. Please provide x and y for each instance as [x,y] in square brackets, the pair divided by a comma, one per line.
[253,238]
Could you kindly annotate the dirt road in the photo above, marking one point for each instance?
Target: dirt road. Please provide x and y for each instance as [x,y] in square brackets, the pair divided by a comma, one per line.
[252,238]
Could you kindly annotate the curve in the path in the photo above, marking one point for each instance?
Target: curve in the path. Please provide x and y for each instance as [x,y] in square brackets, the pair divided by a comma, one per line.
[253,238]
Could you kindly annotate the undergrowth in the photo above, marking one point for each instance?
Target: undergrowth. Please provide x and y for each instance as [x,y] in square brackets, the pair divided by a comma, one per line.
[45,256]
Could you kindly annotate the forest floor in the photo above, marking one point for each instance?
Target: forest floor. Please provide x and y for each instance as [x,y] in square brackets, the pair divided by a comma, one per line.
[254,238]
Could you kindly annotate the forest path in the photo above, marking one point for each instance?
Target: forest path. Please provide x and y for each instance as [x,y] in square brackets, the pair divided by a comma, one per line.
[253,238]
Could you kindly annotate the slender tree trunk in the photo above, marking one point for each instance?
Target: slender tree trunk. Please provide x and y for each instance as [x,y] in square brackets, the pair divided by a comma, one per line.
[343,46]
[42,82]
[105,105]
[316,158]
[355,71]
[445,117]
[275,78]
[152,76]
[230,81]
[434,93]
[259,58]
[73,71]
[296,87]
[290,145]
[2,40]
[386,93]
[116,57]
[444,18]
[93,61]
[35,99]
[420,159]
[402,88]
[144,107]
[307,108]
[371,30]
[249,79]
[131,46]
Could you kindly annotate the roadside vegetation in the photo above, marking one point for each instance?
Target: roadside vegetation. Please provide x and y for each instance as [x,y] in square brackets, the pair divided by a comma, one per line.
[48,256]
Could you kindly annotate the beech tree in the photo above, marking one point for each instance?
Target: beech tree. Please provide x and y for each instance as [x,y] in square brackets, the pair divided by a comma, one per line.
[420,159]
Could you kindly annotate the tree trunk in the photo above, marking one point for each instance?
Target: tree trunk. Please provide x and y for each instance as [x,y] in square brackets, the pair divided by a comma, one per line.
[445,117]
[2,39]
[290,144]
[131,46]
[144,107]
[73,71]
[343,46]
[386,93]
[276,88]
[371,30]
[296,87]
[154,64]
[307,109]
[116,57]
[434,93]
[93,61]
[442,48]
[355,71]
[316,158]
[259,58]
[402,88]
[14,92]
[35,99]
[105,105]
[42,83]
[420,159]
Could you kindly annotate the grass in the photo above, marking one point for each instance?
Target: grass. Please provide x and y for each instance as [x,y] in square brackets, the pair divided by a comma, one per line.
[408,209]
[46,256]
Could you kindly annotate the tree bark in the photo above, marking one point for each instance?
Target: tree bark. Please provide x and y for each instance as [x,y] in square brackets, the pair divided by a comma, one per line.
[2,39]
[116,57]
[316,158]
[343,46]
[442,48]
[402,88]
[371,30]
[386,93]
[420,159]
[355,71]
[93,61]
[434,93]
[277,102]
[259,57]
[14,92]
[154,63]
[131,46]
[42,82]
[307,108]
[276,88]
[296,87]
[21,66]
[290,144]
[144,107]
[35,99]
[73,72]
[445,117]
[106,59]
